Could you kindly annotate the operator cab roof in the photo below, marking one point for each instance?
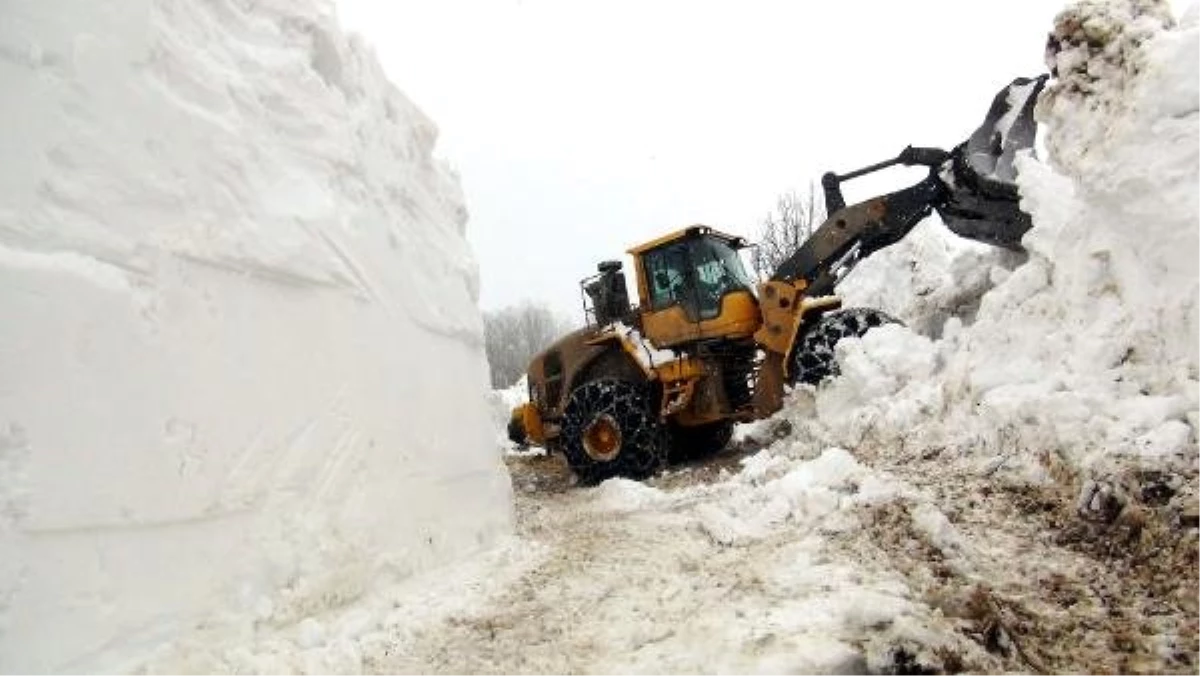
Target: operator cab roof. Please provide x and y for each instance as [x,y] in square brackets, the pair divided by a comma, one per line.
[690,231]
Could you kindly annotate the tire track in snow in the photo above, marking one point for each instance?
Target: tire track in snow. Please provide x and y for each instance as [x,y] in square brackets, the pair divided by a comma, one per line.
[954,573]
[642,587]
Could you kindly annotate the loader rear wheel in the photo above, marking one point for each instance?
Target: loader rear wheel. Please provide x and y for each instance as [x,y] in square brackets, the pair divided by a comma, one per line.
[815,359]
[700,441]
[516,431]
[610,429]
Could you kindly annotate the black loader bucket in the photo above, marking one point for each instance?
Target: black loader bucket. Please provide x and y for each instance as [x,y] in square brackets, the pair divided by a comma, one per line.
[983,200]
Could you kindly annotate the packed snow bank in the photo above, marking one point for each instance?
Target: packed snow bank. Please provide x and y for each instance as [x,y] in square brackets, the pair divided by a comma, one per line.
[242,363]
[1085,355]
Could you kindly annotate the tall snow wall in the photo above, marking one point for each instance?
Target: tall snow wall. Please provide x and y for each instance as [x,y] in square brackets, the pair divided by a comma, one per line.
[241,364]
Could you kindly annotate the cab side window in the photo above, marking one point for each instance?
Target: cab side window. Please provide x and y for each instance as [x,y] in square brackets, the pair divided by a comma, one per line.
[667,272]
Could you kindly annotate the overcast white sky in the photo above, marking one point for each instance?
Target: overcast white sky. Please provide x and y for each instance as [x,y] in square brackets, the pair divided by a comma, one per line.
[583,128]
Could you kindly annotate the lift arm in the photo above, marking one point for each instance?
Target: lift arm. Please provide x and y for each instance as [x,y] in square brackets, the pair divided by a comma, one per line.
[853,233]
[972,188]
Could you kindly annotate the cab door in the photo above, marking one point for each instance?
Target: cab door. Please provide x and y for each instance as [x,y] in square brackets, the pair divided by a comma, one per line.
[671,316]
[696,288]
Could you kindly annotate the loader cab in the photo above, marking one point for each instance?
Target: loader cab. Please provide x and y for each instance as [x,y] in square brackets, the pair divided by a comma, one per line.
[692,285]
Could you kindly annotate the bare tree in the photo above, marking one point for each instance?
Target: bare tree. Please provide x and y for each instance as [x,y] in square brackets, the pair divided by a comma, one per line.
[785,229]
[514,334]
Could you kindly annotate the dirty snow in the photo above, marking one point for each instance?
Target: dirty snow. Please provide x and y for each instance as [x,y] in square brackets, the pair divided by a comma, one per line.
[242,362]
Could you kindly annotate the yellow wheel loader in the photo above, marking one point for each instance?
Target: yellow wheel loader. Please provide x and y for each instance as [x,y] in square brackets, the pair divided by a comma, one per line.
[705,347]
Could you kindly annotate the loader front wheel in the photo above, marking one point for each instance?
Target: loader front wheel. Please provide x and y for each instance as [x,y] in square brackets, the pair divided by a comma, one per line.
[611,429]
[815,359]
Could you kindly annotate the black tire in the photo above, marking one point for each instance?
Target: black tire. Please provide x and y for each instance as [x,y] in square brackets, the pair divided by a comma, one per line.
[814,359]
[516,431]
[701,441]
[641,447]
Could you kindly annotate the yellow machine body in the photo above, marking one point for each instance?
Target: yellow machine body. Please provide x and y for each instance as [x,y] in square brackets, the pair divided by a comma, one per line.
[693,293]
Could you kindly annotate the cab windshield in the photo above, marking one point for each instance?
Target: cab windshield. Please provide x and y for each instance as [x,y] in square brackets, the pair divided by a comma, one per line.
[696,273]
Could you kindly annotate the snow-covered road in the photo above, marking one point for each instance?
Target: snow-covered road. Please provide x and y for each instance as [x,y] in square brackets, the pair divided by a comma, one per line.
[880,563]
[766,560]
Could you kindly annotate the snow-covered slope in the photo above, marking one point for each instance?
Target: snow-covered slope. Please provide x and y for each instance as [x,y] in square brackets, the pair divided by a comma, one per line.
[241,366]
[1084,356]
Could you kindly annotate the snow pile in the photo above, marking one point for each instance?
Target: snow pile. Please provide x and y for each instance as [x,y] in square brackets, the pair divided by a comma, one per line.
[928,278]
[796,604]
[242,365]
[1085,354]
[817,495]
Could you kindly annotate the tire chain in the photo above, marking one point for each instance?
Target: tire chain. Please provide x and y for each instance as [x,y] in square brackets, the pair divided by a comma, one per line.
[816,358]
[643,438]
